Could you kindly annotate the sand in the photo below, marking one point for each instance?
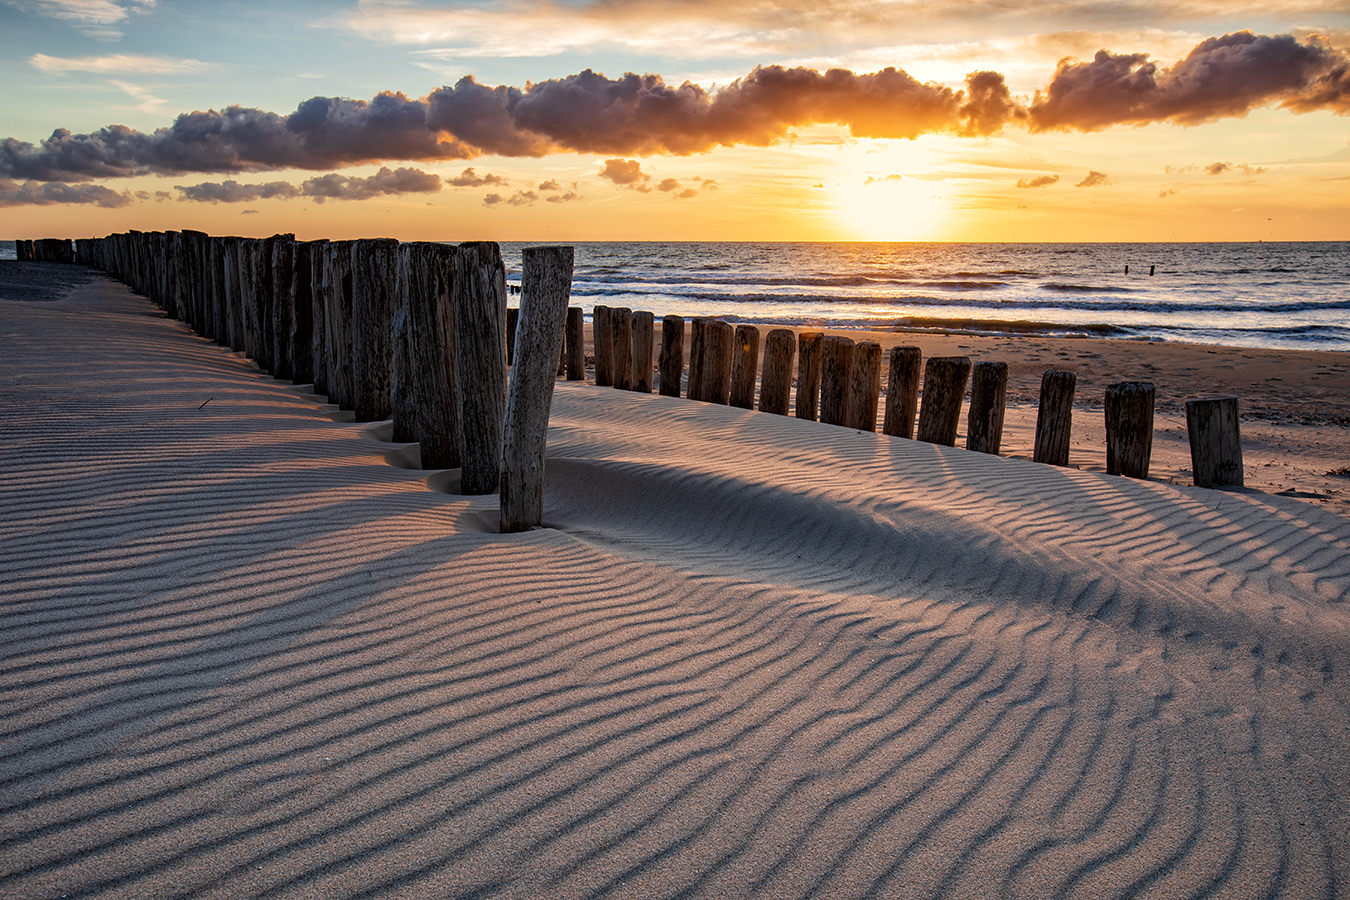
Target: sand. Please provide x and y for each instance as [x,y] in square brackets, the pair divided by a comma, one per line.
[246,652]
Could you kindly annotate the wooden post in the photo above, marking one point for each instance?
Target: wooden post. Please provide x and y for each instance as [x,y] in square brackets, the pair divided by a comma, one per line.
[576,344]
[338,319]
[602,341]
[864,386]
[775,382]
[744,366]
[250,280]
[988,394]
[1216,444]
[374,282]
[836,371]
[698,345]
[644,336]
[902,392]
[479,300]
[283,299]
[671,361]
[512,323]
[403,374]
[545,286]
[808,374]
[717,355]
[1129,428]
[944,387]
[429,379]
[622,325]
[1054,418]
[318,314]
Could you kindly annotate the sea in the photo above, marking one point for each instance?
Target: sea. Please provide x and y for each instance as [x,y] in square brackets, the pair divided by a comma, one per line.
[1275,295]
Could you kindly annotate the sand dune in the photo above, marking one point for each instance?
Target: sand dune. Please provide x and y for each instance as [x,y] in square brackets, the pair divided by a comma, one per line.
[248,652]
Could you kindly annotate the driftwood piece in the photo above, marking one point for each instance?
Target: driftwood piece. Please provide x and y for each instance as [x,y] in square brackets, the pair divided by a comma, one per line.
[671,360]
[836,373]
[479,300]
[944,387]
[1054,418]
[576,344]
[644,336]
[1216,441]
[545,287]
[864,386]
[602,343]
[1129,428]
[775,387]
[902,391]
[808,374]
[988,397]
[744,366]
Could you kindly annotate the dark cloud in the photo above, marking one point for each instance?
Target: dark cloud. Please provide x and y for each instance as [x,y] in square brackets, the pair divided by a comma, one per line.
[1221,77]
[550,185]
[519,198]
[1038,181]
[635,115]
[1093,179]
[470,178]
[1219,168]
[321,189]
[234,192]
[568,197]
[33,193]
[624,172]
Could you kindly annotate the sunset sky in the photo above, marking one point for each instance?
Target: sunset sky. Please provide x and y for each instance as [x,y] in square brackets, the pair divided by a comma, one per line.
[578,120]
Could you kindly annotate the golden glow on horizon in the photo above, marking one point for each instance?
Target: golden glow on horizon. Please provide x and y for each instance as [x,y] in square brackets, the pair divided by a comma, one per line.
[890,208]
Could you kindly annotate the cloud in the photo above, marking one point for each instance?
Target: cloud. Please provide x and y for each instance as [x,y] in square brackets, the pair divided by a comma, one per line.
[1038,181]
[550,185]
[32,193]
[624,172]
[1093,179]
[871,180]
[519,198]
[139,64]
[469,178]
[569,197]
[96,18]
[327,187]
[1167,192]
[1218,168]
[637,115]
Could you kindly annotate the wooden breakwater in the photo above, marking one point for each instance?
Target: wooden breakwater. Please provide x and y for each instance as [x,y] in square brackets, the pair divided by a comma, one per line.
[421,333]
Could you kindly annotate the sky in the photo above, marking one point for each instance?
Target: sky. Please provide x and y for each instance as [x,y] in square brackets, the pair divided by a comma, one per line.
[763,120]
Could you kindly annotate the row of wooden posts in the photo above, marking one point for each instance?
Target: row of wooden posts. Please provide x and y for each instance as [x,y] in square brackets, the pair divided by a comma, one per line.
[408,331]
[401,331]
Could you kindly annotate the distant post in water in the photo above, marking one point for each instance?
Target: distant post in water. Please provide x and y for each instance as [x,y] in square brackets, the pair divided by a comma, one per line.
[545,286]
[717,355]
[1054,417]
[944,387]
[988,394]
[775,381]
[1129,428]
[602,339]
[744,366]
[623,347]
[808,374]
[671,361]
[644,337]
[864,386]
[479,301]
[1216,445]
[576,344]
[902,392]
[836,372]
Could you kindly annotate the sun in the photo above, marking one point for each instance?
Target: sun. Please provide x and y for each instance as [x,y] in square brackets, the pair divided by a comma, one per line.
[890,208]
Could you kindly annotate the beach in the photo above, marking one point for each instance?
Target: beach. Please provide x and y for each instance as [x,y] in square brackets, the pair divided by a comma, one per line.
[248,650]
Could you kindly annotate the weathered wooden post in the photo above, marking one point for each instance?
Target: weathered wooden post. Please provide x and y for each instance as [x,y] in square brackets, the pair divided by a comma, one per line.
[427,373]
[775,381]
[576,344]
[698,346]
[283,298]
[403,373]
[864,386]
[719,346]
[671,361]
[318,313]
[808,373]
[644,337]
[988,395]
[621,323]
[374,281]
[250,249]
[338,319]
[512,323]
[479,300]
[545,286]
[1129,428]
[1054,418]
[602,341]
[902,392]
[836,370]
[234,298]
[944,387]
[1216,445]
[744,366]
